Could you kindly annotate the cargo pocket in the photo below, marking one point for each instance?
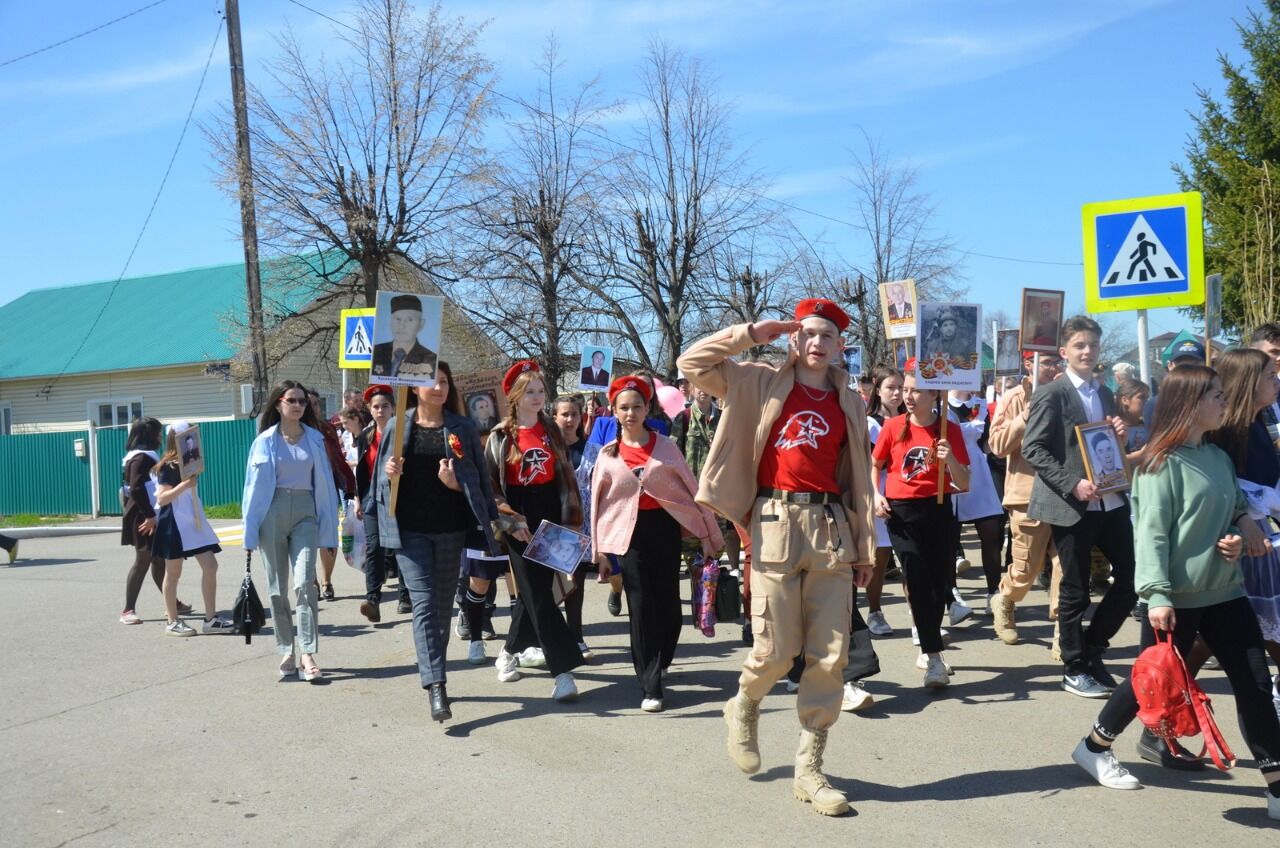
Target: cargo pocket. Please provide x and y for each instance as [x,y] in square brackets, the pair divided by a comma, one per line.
[761,627]
[842,539]
[771,536]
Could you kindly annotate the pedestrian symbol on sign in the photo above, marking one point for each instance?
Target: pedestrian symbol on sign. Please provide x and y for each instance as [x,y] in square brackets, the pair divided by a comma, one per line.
[359,344]
[1133,263]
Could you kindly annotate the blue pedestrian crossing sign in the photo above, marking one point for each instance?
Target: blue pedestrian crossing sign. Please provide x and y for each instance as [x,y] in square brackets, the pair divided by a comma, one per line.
[1144,253]
[355,338]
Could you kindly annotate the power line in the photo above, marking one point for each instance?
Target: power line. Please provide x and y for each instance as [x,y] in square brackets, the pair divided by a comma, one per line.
[146,221]
[758,194]
[81,34]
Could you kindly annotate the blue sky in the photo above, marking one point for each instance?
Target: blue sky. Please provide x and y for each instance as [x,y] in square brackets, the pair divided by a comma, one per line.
[1015,113]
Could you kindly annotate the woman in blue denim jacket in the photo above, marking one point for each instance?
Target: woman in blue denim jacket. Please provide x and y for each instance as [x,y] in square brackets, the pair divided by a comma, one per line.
[290,508]
[444,492]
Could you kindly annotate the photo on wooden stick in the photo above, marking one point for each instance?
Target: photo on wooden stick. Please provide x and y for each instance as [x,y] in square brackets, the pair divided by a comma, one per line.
[948,346]
[482,398]
[596,365]
[190,452]
[1008,354]
[1041,319]
[898,308]
[1103,457]
[406,338]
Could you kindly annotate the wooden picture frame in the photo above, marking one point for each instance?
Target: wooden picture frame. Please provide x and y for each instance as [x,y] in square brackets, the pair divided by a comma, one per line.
[1104,457]
[1041,319]
[190,452]
[898,308]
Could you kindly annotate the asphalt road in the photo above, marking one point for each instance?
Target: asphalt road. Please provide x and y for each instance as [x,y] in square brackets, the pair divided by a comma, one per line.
[113,735]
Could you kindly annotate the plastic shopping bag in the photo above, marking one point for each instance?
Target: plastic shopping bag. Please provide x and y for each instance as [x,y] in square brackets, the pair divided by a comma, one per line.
[352,536]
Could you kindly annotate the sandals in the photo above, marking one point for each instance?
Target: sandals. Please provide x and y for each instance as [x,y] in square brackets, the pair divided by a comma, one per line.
[310,675]
[287,666]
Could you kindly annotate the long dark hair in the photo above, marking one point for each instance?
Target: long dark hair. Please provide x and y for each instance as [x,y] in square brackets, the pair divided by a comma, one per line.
[1240,370]
[452,401]
[271,413]
[878,376]
[144,435]
[1176,408]
[576,400]
[611,449]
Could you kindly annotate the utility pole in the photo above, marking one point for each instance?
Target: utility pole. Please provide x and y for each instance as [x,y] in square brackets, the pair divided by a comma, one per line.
[860,297]
[248,213]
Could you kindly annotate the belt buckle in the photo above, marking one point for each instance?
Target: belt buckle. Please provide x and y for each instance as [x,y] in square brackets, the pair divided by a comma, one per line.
[802,497]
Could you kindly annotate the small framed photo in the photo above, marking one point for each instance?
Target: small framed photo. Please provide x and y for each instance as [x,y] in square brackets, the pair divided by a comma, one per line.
[1041,319]
[1103,457]
[190,452]
[482,397]
[406,338]
[1008,354]
[596,365]
[901,353]
[558,548]
[853,360]
[898,308]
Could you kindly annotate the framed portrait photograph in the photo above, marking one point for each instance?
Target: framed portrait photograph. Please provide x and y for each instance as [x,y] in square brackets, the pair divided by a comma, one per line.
[1041,319]
[558,548]
[853,360]
[190,452]
[898,308]
[596,368]
[901,353]
[1103,457]
[1008,353]
[948,346]
[406,338]
[482,398]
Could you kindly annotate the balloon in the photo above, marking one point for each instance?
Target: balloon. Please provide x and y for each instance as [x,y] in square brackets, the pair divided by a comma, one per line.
[671,401]
[657,384]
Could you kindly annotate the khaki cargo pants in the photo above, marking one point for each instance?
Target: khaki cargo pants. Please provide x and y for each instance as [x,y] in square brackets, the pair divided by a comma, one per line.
[1032,541]
[801,600]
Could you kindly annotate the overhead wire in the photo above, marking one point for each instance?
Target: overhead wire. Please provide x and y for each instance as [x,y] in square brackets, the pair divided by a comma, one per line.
[72,38]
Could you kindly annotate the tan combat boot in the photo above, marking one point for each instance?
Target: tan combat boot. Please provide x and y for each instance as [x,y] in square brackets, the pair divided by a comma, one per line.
[810,784]
[743,717]
[1002,617]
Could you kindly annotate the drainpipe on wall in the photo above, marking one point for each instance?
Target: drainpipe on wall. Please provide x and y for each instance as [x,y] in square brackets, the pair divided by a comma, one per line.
[93,470]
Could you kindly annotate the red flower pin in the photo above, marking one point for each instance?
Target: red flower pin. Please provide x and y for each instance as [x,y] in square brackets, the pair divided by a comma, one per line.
[455,444]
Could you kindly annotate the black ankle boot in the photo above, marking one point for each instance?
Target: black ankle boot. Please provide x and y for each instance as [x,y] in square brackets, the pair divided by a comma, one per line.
[439,703]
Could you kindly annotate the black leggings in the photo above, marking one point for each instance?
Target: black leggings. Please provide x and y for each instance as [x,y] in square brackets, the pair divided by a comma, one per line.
[991,538]
[922,536]
[143,559]
[573,603]
[651,579]
[536,620]
[1231,631]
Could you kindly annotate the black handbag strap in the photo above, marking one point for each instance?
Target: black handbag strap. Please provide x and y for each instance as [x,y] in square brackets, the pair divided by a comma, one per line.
[248,560]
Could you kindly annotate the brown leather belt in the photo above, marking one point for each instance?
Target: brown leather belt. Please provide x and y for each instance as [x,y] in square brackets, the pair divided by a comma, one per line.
[798,497]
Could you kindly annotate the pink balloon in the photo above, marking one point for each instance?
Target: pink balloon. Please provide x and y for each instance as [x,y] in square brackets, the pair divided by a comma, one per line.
[671,401]
[657,384]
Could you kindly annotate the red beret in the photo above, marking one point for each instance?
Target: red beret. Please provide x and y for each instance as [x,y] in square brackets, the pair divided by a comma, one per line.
[1028,354]
[822,308]
[629,384]
[910,367]
[516,370]
[377,389]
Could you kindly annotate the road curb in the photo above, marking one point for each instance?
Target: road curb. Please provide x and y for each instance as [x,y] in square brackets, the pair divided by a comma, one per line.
[54,532]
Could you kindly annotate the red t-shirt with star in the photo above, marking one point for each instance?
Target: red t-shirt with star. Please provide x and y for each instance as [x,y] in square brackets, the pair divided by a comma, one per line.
[803,450]
[912,473]
[635,458]
[536,464]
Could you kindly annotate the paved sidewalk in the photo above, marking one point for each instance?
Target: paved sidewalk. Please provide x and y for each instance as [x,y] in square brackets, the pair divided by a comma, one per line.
[115,736]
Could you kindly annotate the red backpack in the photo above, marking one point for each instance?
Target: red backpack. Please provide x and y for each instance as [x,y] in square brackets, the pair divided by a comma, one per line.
[1171,704]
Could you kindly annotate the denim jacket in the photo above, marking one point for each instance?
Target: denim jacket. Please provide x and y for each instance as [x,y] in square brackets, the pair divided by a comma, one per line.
[472,476]
[260,486]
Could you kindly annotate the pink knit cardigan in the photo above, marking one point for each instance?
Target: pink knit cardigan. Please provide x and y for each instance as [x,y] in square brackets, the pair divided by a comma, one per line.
[615,499]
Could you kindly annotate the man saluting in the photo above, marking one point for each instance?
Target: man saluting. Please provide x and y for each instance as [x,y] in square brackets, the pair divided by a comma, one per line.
[791,461]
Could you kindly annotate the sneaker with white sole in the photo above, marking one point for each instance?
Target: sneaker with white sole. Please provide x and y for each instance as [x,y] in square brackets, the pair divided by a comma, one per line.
[856,698]
[532,658]
[508,667]
[1273,807]
[792,688]
[1104,768]
[218,624]
[587,654]
[959,612]
[476,654]
[179,628]
[922,663]
[651,705]
[566,688]
[877,625]
[936,676]
[129,617]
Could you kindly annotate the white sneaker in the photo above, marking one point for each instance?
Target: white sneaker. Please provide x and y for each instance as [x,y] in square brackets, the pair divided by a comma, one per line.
[922,663]
[792,688]
[476,654]
[936,676]
[962,565]
[179,628]
[877,624]
[959,612]
[587,654]
[651,705]
[508,667]
[1104,768]
[915,636]
[856,698]
[532,658]
[218,624]
[566,689]
[129,617]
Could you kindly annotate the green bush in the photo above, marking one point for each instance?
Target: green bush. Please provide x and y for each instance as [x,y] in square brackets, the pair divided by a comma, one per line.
[30,519]
[231,510]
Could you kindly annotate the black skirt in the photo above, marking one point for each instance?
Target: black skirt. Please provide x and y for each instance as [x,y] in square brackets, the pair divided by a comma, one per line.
[166,543]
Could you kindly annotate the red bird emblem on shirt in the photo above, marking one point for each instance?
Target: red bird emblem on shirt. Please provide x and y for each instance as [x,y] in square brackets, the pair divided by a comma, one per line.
[533,464]
[803,429]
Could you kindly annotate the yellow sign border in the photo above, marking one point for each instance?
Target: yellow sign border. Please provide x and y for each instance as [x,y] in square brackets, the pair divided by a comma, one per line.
[1193,296]
[343,362]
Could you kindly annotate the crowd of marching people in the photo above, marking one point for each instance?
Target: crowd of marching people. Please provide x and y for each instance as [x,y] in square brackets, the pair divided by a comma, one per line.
[817,487]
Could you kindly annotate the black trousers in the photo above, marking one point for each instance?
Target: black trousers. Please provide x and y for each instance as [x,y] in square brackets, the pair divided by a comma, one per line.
[1112,533]
[651,580]
[536,620]
[920,530]
[1231,631]
[376,559]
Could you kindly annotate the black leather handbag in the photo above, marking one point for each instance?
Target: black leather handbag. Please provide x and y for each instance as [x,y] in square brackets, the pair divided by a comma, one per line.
[728,598]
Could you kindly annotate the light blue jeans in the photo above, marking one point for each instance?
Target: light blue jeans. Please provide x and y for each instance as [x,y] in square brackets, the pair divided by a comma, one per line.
[288,540]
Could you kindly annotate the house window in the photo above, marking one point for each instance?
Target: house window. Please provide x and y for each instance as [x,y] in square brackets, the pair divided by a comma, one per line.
[117,412]
[6,419]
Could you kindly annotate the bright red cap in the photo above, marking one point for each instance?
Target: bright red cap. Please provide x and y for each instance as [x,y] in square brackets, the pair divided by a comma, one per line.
[822,308]
[376,389]
[910,367]
[1028,355]
[515,371]
[628,384]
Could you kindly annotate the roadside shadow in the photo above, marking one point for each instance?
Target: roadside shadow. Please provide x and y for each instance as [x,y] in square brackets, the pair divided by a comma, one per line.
[1255,817]
[37,563]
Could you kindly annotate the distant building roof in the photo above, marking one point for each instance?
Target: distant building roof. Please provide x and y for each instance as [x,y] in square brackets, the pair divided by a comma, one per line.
[147,322]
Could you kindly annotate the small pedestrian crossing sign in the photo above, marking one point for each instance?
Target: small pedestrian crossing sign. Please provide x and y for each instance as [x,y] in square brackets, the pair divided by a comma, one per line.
[1144,253]
[355,338]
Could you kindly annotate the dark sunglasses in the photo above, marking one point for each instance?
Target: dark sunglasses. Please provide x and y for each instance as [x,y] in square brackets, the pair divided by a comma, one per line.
[294,401]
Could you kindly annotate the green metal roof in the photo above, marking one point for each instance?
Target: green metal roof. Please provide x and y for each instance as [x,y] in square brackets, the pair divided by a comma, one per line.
[148,322]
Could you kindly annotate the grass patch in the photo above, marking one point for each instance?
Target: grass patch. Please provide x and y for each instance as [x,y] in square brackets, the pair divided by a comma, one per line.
[231,510]
[30,519]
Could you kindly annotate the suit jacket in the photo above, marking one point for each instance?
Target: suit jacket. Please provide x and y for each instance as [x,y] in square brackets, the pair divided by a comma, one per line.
[896,314]
[589,379]
[1050,447]
[382,364]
